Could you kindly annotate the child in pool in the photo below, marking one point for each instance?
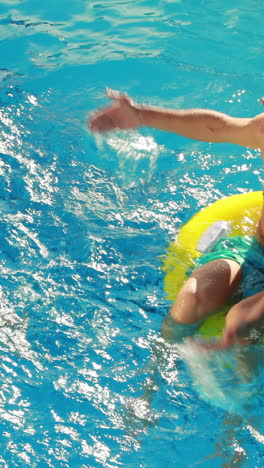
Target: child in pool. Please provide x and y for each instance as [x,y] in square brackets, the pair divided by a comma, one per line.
[211,284]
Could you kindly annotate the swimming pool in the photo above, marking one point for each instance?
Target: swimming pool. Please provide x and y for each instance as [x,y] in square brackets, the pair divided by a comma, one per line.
[86,380]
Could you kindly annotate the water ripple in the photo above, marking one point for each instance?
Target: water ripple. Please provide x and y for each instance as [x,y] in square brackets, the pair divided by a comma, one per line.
[86,379]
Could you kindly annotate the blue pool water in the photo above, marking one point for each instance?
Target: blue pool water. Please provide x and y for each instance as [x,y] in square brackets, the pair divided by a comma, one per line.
[85,378]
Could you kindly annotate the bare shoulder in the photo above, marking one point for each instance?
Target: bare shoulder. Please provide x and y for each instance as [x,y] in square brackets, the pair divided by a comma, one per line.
[258,120]
[255,131]
[257,126]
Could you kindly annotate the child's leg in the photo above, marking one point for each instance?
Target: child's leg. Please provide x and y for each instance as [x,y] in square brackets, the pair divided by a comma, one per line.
[207,289]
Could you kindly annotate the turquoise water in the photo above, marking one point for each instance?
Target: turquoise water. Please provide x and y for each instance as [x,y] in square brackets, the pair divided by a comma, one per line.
[86,380]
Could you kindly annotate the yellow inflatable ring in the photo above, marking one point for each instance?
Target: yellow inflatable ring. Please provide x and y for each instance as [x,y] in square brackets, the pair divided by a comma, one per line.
[237,215]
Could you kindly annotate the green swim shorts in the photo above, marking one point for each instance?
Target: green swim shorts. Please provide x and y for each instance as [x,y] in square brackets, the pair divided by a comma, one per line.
[246,251]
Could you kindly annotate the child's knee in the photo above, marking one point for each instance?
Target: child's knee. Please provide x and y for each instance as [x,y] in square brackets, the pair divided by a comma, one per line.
[190,303]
